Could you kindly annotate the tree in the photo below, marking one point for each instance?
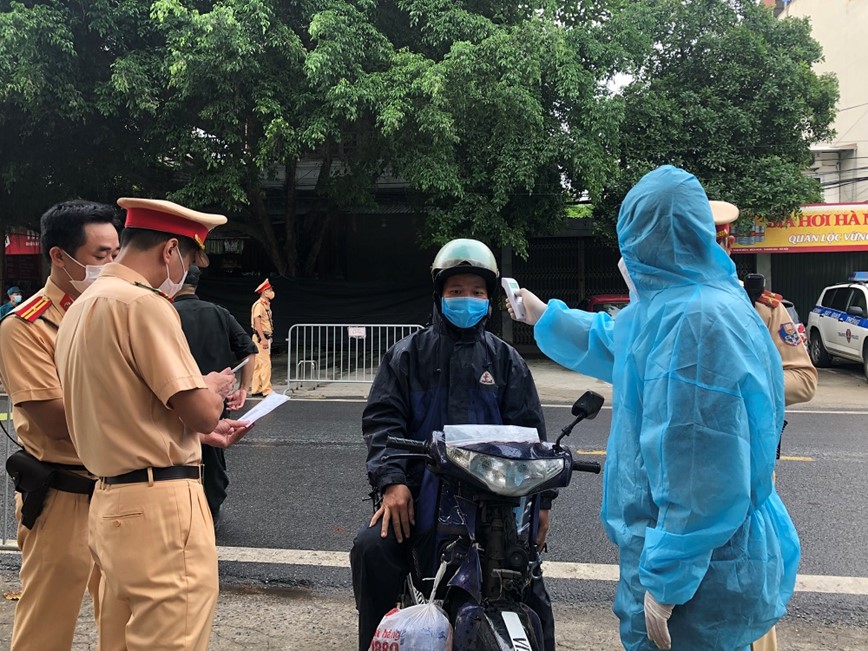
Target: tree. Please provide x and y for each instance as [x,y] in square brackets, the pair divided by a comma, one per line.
[56,139]
[728,93]
[493,113]
[499,113]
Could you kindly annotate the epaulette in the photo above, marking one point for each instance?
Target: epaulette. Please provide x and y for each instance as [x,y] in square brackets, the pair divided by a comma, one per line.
[153,289]
[33,308]
[770,299]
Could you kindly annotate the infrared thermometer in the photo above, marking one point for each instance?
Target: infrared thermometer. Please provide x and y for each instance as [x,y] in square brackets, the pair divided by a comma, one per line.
[510,287]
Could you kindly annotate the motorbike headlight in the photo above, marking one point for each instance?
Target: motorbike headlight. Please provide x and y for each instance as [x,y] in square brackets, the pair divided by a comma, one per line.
[509,477]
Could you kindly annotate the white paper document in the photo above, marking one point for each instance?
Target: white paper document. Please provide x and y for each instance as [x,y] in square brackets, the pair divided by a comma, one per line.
[268,404]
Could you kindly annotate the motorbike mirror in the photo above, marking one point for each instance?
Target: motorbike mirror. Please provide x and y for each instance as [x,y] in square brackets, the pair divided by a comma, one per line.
[586,407]
[589,405]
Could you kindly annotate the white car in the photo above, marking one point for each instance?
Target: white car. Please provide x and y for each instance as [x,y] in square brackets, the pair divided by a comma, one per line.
[838,324]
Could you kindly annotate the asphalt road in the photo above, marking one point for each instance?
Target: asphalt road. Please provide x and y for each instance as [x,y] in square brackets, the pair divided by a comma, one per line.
[298,482]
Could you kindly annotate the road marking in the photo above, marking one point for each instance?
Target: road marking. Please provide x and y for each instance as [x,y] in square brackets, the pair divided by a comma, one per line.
[844,585]
[602,453]
[566,405]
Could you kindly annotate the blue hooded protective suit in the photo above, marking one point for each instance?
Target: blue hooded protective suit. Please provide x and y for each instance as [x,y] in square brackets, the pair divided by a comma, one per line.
[698,406]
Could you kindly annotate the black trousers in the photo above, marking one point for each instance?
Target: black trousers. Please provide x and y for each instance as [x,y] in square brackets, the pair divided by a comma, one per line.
[379,568]
[215,478]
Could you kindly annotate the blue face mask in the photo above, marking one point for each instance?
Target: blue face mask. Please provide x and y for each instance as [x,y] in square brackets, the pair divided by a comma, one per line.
[464,312]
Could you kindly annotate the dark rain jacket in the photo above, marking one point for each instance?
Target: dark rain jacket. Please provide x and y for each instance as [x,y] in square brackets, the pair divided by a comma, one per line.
[443,375]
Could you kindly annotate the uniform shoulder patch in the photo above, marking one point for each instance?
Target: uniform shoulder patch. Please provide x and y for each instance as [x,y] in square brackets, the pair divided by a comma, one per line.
[154,290]
[790,335]
[770,298]
[486,378]
[33,308]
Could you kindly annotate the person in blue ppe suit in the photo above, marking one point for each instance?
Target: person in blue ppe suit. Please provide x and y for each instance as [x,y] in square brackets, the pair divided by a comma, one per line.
[708,552]
[452,372]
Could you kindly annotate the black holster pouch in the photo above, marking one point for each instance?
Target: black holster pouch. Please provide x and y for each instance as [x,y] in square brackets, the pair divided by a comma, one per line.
[32,478]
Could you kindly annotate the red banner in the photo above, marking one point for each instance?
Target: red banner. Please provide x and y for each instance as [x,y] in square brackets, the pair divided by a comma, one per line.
[22,243]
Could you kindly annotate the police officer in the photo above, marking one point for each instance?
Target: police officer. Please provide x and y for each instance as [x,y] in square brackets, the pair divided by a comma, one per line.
[136,403]
[800,376]
[262,325]
[216,341]
[15,298]
[452,372]
[78,237]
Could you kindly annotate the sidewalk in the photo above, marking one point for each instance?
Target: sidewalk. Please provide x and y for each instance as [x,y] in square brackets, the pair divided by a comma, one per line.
[297,619]
[840,387]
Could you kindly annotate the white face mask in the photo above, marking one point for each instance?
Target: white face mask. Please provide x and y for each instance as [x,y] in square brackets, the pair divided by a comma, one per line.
[91,273]
[622,267]
[170,288]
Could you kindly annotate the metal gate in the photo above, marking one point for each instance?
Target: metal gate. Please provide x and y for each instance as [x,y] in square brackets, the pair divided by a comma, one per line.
[9,533]
[338,352]
[569,268]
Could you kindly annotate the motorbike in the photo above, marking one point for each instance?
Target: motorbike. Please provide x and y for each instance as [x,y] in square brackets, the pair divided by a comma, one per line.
[486,528]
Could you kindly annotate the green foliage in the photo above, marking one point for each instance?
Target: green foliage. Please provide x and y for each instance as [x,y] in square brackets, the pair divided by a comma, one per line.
[497,116]
[727,93]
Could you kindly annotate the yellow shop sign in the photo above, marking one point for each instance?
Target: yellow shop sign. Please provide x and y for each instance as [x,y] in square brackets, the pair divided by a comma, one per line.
[819,227]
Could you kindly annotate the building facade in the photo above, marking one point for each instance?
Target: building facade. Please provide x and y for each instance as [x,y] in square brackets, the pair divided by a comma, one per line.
[841,28]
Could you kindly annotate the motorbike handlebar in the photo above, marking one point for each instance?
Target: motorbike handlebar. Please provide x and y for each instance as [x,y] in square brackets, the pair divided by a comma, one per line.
[587,466]
[406,444]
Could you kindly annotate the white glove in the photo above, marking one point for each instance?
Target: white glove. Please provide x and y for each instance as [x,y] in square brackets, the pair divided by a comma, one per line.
[656,616]
[533,306]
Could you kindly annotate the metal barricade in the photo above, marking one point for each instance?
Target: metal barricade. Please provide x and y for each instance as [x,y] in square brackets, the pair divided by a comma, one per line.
[332,352]
[8,539]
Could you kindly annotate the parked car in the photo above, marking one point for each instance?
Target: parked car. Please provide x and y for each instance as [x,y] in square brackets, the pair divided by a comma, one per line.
[611,303]
[838,324]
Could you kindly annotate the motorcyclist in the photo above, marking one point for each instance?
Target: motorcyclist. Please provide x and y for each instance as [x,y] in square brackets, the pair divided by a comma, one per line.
[708,553]
[452,372]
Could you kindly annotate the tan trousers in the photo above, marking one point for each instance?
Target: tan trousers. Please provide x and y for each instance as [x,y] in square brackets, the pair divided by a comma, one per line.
[768,642]
[56,567]
[155,544]
[261,382]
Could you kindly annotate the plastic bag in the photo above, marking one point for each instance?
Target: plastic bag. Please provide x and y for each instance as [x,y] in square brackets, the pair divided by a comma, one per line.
[417,628]
[461,435]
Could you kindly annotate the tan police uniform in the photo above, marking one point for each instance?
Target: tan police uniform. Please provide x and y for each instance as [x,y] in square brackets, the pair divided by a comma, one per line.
[121,356]
[800,376]
[800,381]
[261,382]
[56,564]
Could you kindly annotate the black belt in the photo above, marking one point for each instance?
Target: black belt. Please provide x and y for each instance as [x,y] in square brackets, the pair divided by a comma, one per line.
[68,466]
[69,483]
[159,474]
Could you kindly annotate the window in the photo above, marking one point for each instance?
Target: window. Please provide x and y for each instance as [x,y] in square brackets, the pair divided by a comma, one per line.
[828,297]
[858,300]
[841,298]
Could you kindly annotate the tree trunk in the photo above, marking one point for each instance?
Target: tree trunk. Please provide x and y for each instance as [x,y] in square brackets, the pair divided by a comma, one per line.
[290,246]
[319,228]
[317,221]
[263,230]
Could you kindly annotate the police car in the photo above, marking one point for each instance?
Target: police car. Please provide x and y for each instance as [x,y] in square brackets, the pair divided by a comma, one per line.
[838,324]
